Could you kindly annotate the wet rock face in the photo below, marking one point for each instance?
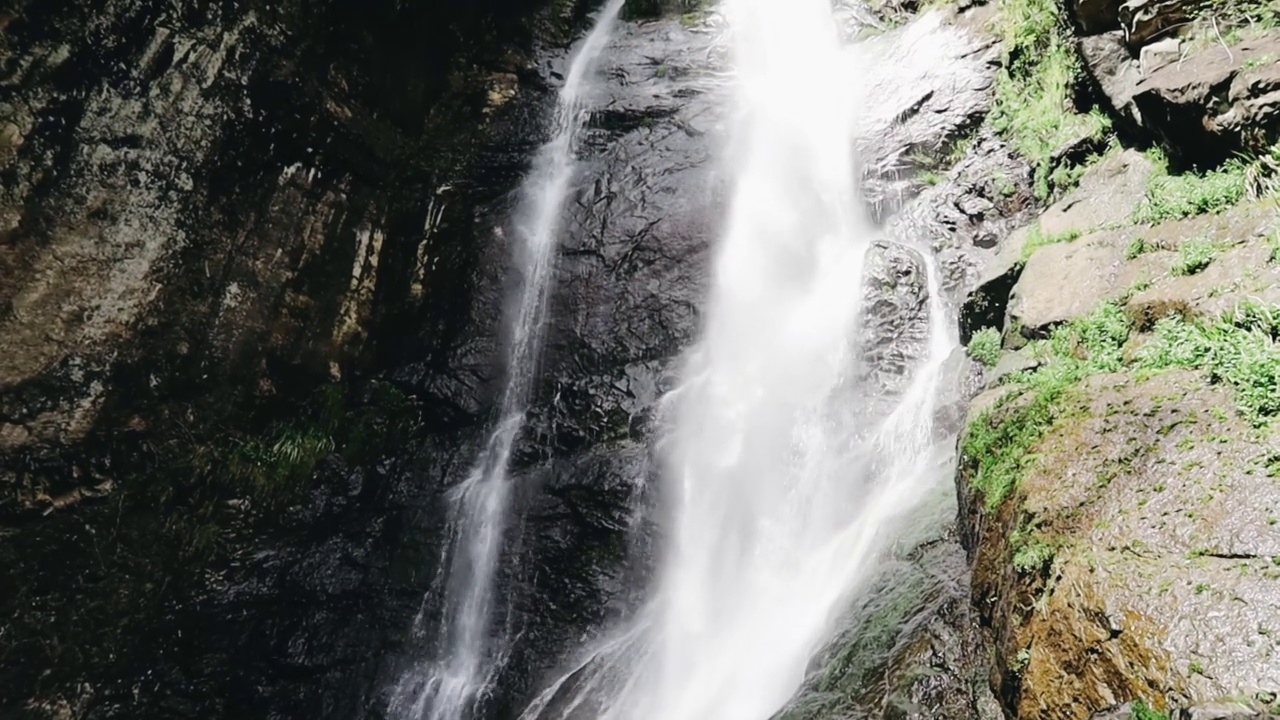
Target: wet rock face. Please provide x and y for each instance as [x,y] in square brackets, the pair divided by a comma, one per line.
[631,272]
[217,221]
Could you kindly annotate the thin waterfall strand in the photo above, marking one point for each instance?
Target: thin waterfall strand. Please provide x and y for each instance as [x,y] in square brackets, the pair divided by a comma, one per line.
[479,507]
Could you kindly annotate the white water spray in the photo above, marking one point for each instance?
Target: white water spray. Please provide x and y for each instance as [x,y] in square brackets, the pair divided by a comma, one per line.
[782,485]
[468,655]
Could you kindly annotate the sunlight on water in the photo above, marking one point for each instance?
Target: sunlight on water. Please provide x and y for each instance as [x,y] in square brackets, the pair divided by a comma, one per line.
[781,484]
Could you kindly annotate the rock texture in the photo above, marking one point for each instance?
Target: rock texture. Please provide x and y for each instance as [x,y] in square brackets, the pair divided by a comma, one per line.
[223,227]
[1162,584]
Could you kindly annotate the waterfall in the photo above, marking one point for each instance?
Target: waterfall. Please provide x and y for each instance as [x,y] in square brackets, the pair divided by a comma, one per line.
[467,656]
[785,471]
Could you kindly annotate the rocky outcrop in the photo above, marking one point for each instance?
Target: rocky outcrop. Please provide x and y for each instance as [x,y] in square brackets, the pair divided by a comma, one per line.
[1121,559]
[1195,84]
[1158,584]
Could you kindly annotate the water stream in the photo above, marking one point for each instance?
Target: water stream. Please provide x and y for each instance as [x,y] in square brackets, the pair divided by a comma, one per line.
[469,655]
[782,480]
[785,470]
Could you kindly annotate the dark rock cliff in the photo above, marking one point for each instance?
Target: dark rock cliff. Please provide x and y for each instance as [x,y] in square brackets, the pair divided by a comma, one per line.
[240,282]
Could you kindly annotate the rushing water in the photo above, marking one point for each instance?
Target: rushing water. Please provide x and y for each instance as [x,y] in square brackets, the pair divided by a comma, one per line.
[468,655]
[783,475]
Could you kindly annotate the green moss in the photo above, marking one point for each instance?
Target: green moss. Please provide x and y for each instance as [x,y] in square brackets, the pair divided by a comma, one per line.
[984,346]
[1033,104]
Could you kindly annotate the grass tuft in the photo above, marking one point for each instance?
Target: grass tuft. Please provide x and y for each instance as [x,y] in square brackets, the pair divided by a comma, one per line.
[1194,255]
[985,346]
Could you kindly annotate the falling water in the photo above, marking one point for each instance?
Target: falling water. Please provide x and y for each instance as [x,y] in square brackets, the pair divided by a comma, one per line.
[783,480]
[468,656]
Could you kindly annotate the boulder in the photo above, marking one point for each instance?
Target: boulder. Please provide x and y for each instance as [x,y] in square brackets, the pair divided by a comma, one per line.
[1143,20]
[1105,197]
[1215,102]
[1114,70]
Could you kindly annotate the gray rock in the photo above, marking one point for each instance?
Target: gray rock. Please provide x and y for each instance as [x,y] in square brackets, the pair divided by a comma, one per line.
[1113,68]
[1144,20]
[1106,196]
[1216,101]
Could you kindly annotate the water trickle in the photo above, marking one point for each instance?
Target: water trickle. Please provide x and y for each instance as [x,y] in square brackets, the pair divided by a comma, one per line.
[468,654]
[785,471]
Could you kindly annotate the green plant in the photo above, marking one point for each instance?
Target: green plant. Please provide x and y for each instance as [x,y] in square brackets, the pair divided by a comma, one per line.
[1036,239]
[930,177]
[1172,196]
[1176,196]
[1196,667]
[1033,556]
[984,346]
[1033,104]
[998,444]
[1143,711]
[1138,246]
[1258,62]
[1194,255]
[1239,350]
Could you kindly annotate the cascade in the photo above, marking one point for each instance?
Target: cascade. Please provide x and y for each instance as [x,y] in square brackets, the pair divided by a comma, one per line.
[468,656]
[784,470]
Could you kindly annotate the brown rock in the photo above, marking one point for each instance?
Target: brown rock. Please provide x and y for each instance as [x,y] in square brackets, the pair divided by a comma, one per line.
[1162,528]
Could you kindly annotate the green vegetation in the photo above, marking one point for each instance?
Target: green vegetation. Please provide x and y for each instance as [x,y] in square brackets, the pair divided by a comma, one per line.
[1137,247]
[1033,556]
[1177,196]
[1033,105]
[1194,255]
[984,346]
[1240,350]
[1036,239]
[274,466]
[998,444]
[1143,711]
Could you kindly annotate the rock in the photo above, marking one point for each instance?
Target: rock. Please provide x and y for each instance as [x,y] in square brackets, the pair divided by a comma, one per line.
[1108,62]
[1158,54]
[1143,20]
[931,82]
[1106,196]
[1241,269]
[1065,281]
[1097,16]
[1161,584]
[210,215]
[1220,711]
[896,318]
[1215,102]
[1011,363]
